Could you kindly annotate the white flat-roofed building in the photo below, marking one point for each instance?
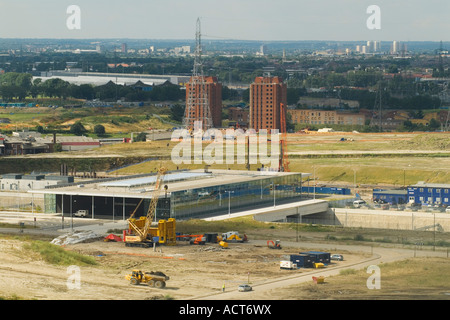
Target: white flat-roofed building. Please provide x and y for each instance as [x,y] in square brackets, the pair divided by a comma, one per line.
[185,194]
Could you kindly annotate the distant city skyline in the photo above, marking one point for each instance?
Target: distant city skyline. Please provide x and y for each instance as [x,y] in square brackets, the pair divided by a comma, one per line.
[261,20]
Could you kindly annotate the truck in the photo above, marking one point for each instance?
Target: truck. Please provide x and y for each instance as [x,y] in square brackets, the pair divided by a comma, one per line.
[152,279]
[288,265]
[233,236]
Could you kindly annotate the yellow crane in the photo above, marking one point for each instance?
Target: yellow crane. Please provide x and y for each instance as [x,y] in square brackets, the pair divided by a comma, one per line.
[142,228]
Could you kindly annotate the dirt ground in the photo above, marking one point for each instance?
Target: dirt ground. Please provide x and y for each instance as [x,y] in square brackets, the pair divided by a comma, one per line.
[194,271]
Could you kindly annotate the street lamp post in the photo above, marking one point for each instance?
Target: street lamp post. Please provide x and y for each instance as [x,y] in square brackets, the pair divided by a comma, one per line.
[71,214]
[273,190]
[314,193]
[229,202]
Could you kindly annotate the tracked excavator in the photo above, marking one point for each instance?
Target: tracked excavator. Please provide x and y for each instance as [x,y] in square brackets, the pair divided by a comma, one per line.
[140,231]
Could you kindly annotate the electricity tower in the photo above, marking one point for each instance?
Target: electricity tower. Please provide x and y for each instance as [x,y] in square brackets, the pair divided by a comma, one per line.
[197,100]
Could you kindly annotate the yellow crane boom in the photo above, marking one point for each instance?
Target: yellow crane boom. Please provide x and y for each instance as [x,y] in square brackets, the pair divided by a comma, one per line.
[143,232]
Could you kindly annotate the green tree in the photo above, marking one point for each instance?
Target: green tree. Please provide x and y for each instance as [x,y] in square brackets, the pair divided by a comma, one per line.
[433,124]
[78,129]
[36,88]
[84,91]
[99,130]
[40,129]
[177,112]
[141,137]
[56,88]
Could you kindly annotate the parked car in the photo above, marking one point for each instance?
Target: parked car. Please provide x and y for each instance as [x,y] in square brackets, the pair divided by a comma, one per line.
[338,257]
[415,206]
[447,210]
[358,203]
[244,287]
[81,213]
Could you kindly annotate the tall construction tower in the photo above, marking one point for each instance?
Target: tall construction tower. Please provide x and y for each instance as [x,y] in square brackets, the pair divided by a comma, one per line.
[197,101]
[441,64]
[444,92]
[377,113]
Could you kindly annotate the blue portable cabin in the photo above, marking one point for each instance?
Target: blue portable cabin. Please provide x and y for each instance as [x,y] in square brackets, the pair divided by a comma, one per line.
[301,260]
[429,193]
[324,190]
[390,196]
[317,256]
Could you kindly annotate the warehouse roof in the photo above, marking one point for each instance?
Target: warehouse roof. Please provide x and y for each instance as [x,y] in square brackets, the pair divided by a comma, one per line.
[400,192]
[142,187]
[152,179]
[422,184]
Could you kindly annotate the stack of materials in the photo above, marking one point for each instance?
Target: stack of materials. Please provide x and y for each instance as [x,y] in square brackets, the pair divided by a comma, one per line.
[76,237]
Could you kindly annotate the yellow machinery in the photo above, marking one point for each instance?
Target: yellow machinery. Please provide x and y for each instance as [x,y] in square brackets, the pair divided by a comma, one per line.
[153,279]
[165,231]
[233,236]
[223,244]
[143,232]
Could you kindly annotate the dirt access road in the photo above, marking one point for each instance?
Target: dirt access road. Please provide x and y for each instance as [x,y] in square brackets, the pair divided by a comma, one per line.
[269,289]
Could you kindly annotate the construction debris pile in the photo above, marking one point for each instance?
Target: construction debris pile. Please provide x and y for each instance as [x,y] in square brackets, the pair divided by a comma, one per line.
[76,237]
[210,249]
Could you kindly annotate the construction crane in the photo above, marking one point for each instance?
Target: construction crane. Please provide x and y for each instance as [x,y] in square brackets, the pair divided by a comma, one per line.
[284,160]
[141,232]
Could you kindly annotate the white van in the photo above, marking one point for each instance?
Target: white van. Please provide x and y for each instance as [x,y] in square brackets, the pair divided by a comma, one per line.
[358,203]
[81,213]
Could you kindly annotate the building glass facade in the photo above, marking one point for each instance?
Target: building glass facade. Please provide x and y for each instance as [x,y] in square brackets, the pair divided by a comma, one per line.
[217,200]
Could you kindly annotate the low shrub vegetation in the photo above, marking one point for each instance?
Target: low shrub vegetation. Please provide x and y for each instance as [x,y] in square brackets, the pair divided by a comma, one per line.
[56,255]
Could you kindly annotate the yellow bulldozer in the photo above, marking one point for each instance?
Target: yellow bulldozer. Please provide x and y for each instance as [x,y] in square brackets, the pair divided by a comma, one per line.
[152,279]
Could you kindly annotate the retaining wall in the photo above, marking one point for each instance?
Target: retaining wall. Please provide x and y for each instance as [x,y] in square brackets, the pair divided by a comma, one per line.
[396,220]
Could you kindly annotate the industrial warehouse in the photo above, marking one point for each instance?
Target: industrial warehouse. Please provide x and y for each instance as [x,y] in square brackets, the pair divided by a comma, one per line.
[185,195]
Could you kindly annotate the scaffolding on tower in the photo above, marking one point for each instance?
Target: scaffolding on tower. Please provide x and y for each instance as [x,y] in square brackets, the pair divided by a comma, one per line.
[284,160]
[197,101]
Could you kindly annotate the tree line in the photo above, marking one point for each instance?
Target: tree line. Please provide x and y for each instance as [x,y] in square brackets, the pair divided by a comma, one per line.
[19,86]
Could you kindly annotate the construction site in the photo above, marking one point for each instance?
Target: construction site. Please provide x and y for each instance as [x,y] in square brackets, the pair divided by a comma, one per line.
[152,258]
[94,263]
[197,233]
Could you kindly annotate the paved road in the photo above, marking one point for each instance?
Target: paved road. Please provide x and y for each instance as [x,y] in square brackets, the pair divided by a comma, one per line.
[378,152]
[54,225]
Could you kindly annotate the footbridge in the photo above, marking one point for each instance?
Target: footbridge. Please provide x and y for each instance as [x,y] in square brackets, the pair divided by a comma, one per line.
[279,212]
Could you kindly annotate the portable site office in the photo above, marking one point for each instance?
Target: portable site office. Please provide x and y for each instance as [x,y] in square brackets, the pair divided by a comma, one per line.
[301,260]
[317,256]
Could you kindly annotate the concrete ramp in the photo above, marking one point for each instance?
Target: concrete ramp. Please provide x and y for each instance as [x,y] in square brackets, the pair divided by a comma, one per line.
[302,208]
[279,212]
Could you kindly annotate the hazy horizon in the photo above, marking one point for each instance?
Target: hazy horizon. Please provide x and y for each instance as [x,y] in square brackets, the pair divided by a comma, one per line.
[247,20]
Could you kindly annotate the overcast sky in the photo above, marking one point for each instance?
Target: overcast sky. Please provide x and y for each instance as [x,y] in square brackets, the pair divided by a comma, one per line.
[342,20]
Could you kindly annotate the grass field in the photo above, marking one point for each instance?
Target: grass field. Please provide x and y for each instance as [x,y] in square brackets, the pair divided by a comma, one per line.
[396,158]
[116,121]
[390,168]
